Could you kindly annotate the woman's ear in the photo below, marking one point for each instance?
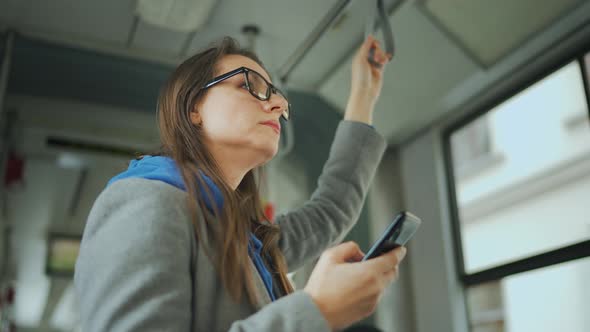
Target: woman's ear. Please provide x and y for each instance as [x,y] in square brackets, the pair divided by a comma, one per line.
[196,118]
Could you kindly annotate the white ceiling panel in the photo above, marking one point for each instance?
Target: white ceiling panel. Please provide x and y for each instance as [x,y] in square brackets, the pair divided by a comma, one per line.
[164,41]
[338,41]
[423,69]
[105,20]
[214,32]
[502,25]
[431,75]
[283,25]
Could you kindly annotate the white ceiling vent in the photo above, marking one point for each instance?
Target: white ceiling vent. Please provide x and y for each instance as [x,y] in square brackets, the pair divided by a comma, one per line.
[489,30]
[178,15]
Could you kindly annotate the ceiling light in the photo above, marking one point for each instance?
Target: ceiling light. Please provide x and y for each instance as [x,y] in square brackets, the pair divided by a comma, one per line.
[178,15]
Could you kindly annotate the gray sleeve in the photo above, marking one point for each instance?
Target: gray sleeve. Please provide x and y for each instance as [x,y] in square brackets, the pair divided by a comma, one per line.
[133,272]
[292,313]
[335,205]
[133,269]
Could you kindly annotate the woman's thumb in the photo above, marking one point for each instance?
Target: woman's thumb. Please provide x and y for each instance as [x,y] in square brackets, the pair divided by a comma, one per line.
[346,252]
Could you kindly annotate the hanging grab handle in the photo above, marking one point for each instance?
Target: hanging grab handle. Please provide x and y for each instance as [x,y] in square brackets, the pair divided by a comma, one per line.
[378,17]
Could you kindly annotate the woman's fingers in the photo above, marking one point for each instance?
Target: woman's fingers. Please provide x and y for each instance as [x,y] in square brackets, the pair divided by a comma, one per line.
[386,262]
[366,80]
[391,276]
[370,42]
[345,252]
[379,54]
[383,57]
[346,293]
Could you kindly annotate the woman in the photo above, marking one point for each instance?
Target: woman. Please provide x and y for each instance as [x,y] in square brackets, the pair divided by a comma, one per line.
[178,242]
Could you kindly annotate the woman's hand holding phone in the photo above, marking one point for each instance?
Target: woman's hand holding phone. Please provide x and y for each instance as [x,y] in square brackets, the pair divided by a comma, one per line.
[348,292]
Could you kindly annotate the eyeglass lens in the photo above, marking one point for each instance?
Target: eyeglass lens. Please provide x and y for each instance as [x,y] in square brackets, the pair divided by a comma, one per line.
[258,86]
[261,89]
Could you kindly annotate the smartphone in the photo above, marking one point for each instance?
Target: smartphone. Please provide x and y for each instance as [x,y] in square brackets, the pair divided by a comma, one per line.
[397,234]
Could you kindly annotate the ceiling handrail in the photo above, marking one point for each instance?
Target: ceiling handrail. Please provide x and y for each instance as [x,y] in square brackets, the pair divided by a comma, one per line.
[379,17]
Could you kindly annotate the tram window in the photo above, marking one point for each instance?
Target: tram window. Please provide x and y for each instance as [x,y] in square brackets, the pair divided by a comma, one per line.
[520,174]
[526,193]
[516,302]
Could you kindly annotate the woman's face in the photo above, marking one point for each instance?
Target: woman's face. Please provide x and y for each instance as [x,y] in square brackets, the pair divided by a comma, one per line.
[232,118]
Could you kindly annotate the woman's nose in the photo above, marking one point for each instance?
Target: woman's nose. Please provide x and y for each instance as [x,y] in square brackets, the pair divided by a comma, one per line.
[276,103]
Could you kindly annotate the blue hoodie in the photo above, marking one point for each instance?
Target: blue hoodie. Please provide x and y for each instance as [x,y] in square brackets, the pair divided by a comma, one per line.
[164,169]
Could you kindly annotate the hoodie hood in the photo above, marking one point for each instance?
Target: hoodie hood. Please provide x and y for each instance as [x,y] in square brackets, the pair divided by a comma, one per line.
[164,169]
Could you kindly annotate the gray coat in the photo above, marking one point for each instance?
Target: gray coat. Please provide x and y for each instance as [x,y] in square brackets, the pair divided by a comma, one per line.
[141,269]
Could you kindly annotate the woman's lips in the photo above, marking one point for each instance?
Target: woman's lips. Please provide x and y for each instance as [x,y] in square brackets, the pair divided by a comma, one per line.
[274,125]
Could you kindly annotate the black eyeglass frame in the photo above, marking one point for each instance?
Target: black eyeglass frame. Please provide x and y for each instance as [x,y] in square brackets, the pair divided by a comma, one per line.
[269,91]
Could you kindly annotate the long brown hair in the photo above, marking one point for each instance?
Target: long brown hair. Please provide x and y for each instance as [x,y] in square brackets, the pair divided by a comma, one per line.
[242,211]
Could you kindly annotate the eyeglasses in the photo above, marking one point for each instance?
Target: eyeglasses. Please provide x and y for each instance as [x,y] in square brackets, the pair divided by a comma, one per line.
[256,84]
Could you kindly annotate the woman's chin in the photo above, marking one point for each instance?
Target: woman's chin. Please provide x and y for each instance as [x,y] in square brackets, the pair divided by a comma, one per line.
[273,152]
[268,153]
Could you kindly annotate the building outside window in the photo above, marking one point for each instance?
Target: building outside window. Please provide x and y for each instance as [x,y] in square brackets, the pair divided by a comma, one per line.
[521,193]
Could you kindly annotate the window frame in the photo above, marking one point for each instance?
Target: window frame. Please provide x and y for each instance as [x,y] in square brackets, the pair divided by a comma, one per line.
[545,259]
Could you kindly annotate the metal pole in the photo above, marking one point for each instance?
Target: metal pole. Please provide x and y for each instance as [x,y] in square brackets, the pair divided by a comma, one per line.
[313,37]
[4,73]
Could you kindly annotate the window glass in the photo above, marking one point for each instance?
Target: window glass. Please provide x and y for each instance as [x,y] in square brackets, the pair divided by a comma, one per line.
[522,173]
[554,298]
